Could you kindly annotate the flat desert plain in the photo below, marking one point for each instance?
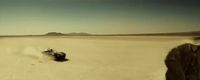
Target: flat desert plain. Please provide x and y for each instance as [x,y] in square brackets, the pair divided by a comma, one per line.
[90,57]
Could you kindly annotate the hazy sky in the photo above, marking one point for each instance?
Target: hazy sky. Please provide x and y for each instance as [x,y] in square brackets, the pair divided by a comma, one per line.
[98,16]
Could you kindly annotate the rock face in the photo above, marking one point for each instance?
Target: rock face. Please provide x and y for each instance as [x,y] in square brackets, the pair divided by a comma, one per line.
[183,63]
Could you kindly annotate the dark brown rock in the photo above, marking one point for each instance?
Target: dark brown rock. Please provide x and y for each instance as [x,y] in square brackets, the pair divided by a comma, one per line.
[183,63]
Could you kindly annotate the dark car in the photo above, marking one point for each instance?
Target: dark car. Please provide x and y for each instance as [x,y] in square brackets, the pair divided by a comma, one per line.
[57,56]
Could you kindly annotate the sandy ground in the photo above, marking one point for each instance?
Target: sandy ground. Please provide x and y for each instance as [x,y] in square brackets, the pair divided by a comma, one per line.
[91,58]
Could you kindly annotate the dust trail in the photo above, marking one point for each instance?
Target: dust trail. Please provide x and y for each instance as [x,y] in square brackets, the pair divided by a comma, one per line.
[188,41]
[193,41]
[32,52]
[197,41]
[35,53]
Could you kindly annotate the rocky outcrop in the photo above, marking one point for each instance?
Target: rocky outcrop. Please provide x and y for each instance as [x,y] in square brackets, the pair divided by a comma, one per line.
[183,63]
[54,34]
[68,34]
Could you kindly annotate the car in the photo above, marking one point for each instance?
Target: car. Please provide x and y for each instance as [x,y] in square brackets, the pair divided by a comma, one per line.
[57,56]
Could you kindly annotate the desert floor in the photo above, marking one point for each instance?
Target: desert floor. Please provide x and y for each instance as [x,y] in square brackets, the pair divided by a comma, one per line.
[91,58]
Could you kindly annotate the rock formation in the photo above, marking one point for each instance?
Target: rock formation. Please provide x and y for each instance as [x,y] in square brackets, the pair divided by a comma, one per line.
[183,63]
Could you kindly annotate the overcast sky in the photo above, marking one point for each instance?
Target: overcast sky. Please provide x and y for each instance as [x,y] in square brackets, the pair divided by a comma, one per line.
[98,16]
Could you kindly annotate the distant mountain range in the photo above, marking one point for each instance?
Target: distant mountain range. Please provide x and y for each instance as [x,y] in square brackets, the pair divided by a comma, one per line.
[68,34]
[192,33]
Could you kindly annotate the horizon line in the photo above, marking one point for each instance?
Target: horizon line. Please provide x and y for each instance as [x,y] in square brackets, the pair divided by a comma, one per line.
[106,34]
